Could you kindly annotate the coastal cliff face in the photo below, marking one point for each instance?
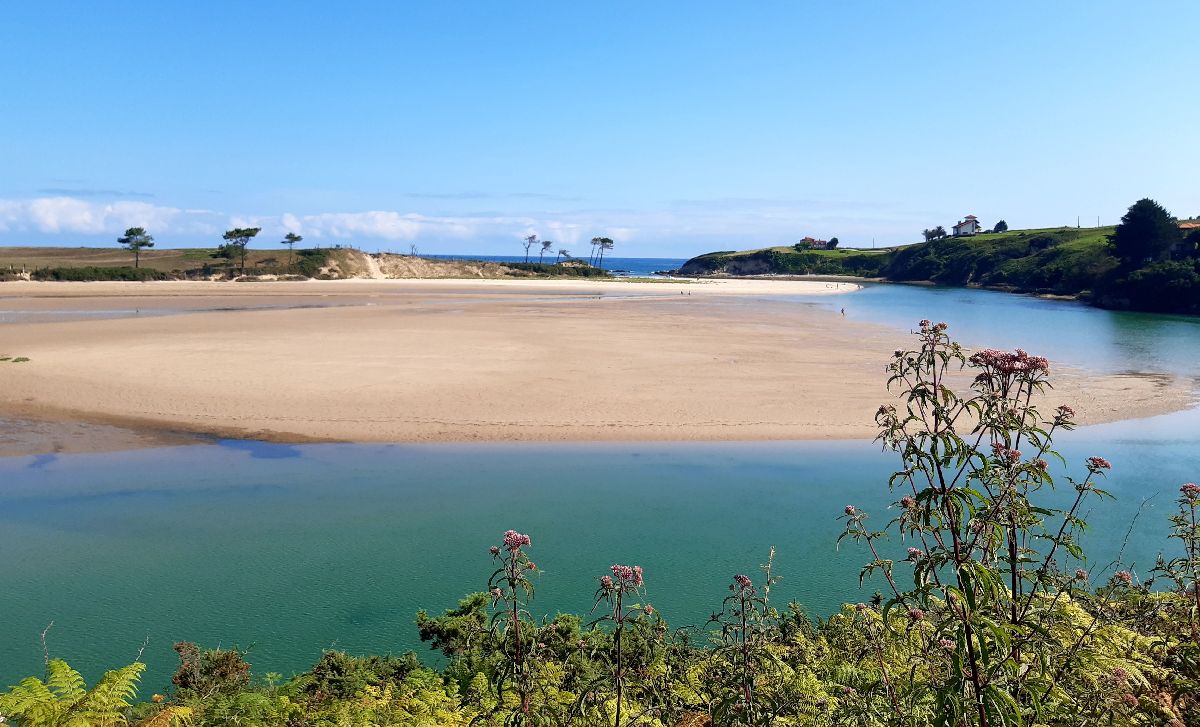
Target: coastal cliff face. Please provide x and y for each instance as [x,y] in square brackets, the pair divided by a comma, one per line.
[727,264]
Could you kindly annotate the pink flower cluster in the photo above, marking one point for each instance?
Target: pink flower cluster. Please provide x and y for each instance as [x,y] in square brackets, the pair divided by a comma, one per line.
[1016,362]
[915,554]
[1004,454]
[1123,576]
[741,582]
[1098,463]
[1190,490]
[947,644]
[927,327]
[907,502]
[630,575]
[514,540]
[1064,415]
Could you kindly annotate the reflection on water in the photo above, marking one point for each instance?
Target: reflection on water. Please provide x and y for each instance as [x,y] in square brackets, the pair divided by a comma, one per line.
[295,548]
[261,450]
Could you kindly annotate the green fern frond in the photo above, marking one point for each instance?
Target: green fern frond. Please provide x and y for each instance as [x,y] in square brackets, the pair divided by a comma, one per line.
[32,700]
[106,701]
[63,700]
[66,683]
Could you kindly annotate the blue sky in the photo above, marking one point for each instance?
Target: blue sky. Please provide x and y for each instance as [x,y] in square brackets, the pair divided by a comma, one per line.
[675,128]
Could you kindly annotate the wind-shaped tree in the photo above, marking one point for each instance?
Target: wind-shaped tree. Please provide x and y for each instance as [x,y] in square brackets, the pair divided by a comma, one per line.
[530,241]
[290,239]
[546,245]
[605,244]
[134,240]
[599,245]
[238,238]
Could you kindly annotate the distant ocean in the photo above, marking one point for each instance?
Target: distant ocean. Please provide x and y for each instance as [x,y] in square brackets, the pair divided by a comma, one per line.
[626,266]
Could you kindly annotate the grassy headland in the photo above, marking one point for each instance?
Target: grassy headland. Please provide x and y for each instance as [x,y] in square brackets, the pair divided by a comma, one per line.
[92,263]
[1065,261]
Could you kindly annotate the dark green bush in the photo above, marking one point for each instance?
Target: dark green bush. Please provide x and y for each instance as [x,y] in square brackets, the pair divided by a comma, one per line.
[91,273]
[341,676]
[575,271]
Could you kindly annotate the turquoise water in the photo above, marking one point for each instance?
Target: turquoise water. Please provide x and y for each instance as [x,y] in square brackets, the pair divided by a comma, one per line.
[298,548]
[1065,331]
[294,549]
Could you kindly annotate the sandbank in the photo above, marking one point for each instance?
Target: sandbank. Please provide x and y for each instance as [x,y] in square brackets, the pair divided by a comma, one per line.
[468,360]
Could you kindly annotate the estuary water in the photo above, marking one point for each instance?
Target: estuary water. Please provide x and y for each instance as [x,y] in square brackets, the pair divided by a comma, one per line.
[294,549]
[1067,332]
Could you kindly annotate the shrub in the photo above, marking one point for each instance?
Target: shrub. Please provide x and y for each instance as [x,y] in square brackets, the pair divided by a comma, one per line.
[309,262]
[91,273]
[575,270]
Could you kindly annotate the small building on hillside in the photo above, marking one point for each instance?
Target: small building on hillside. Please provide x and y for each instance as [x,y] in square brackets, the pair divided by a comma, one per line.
[968,226]
[811,243]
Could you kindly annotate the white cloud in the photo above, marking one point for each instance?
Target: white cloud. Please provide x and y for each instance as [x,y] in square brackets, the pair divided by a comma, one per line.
[728,222]
[377,224]
[69,215]
[290,223]
[567,233]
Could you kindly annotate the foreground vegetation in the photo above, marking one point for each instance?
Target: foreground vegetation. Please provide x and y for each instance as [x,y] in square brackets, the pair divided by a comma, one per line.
[987,613]
[1158,270]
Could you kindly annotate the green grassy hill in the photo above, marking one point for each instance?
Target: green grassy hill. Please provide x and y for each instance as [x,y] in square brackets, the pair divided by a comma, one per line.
[1064,261]
[170,263]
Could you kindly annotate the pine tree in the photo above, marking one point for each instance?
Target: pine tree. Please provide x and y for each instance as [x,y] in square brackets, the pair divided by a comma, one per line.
[1147,232]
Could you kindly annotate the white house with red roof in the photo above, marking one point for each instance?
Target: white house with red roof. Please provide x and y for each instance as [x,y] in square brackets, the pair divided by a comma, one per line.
[969,226]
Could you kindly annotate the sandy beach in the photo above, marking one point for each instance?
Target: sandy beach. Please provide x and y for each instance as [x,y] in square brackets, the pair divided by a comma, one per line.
[459,360]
